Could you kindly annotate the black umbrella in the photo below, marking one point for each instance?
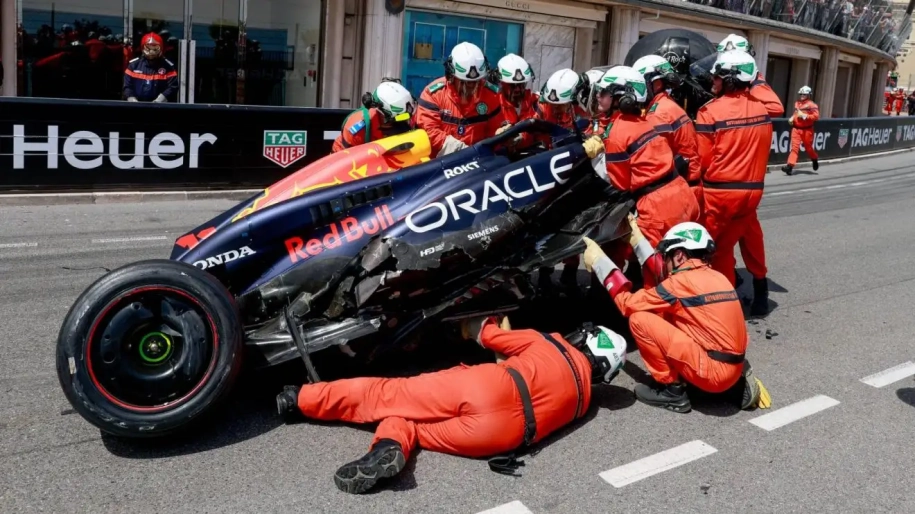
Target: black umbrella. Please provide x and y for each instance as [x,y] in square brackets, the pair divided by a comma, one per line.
[681,48]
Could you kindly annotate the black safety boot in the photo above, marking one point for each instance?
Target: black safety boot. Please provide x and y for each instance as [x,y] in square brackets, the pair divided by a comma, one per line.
[816,165]
[760,305]
[287,402]
[788,169]
[671,396]
[384,460]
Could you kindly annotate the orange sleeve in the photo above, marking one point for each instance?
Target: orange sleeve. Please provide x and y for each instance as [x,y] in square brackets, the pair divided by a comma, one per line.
[506,342]
[762,92]
[429,119]
[656,299]
[619,169]
[814,113]
[705,138]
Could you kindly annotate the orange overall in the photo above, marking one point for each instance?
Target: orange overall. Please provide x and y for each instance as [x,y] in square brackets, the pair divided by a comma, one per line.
[735,133]
[802,131]
[640,161]
[357,125]
[763,92]
[440,113]
[512,114]
[671,121]
[680,324]
[475,411]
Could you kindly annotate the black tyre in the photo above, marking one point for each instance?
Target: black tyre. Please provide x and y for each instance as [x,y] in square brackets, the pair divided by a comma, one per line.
[149,348]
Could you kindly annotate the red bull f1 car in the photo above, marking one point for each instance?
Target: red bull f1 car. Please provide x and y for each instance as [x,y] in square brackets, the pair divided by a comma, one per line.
[361,247]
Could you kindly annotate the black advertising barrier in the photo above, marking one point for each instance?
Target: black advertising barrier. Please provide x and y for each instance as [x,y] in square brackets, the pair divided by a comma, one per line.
[845,137]
[104,145]
[80,145]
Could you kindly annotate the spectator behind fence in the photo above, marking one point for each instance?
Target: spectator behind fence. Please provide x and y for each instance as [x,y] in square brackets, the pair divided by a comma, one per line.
[150,77]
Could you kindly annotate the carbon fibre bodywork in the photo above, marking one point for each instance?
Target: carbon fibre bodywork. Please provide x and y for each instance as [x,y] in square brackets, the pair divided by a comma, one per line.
[439,240]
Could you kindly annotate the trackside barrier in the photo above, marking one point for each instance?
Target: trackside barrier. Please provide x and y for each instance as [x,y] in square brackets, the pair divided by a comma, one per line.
[51,145]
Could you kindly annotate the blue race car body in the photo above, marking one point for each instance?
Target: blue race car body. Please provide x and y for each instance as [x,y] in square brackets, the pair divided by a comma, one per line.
[444,239]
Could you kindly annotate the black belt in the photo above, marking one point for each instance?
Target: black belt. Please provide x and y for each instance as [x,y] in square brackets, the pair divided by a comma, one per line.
[694,183]
[657,184]
[733,185]
[729,358]
[508,464]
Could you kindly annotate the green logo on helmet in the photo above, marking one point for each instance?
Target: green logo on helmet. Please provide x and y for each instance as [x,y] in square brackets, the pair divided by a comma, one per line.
[566,94]
[694,234]
[746,68]
[459,68]
[604,342]
[505,73]
[482,108]
[640,87]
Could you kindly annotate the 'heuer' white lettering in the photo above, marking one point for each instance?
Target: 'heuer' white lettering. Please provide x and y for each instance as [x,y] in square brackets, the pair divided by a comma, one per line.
[460,170]
[870,136]
[517,183]
[225,258]
[84,150]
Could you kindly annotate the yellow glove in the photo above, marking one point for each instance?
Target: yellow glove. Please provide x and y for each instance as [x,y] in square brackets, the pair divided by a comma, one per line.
[592,253]
[635,236]
[593,147]
[505,325]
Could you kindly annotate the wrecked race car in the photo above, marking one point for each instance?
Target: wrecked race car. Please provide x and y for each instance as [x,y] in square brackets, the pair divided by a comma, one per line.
[151,347]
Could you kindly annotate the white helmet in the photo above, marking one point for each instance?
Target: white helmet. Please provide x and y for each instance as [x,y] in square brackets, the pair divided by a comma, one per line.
[594,75]
[805,91]
[561,87]
[737,64]
[394,101]
[689,236]
[467,62]
[735,42]
[513,69]
[653,67]
[620,80]
[608,354]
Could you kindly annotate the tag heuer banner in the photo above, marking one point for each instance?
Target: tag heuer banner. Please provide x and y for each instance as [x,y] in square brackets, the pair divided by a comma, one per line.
[107,146]
[100,145]
[845,137]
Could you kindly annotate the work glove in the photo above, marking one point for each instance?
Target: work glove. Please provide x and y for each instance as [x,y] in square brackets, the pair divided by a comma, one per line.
[132,99]
[803,115]
[472,328]
[451,145]
[593,146]
[161,98]
[755,393]
[606,270]
[641,246]
[503,128]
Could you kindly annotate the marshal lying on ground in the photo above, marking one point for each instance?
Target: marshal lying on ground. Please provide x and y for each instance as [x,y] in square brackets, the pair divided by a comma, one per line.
[360,249]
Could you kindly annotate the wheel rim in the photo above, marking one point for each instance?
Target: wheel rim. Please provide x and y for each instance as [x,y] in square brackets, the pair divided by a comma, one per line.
[151,349]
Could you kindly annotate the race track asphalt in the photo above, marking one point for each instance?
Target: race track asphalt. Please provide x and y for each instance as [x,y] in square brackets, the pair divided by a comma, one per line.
[840,252]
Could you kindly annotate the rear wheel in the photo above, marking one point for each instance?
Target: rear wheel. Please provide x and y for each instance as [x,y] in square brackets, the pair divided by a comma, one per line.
[149,348]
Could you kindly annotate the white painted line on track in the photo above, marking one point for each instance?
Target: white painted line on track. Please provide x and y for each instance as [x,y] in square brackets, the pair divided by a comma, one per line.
[18,245]
[840,186]
[794,412]
[514,507]
[888,376]
[657,463]
[130,239]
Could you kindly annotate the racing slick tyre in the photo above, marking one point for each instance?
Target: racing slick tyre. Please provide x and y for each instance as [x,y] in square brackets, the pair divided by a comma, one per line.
[149,348]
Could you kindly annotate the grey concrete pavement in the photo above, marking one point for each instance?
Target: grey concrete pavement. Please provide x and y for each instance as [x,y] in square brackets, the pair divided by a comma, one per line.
[841,262]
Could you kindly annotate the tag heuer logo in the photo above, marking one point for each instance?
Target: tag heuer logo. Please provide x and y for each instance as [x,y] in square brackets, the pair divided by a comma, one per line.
[898,135]
[284,147]
[843,137]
